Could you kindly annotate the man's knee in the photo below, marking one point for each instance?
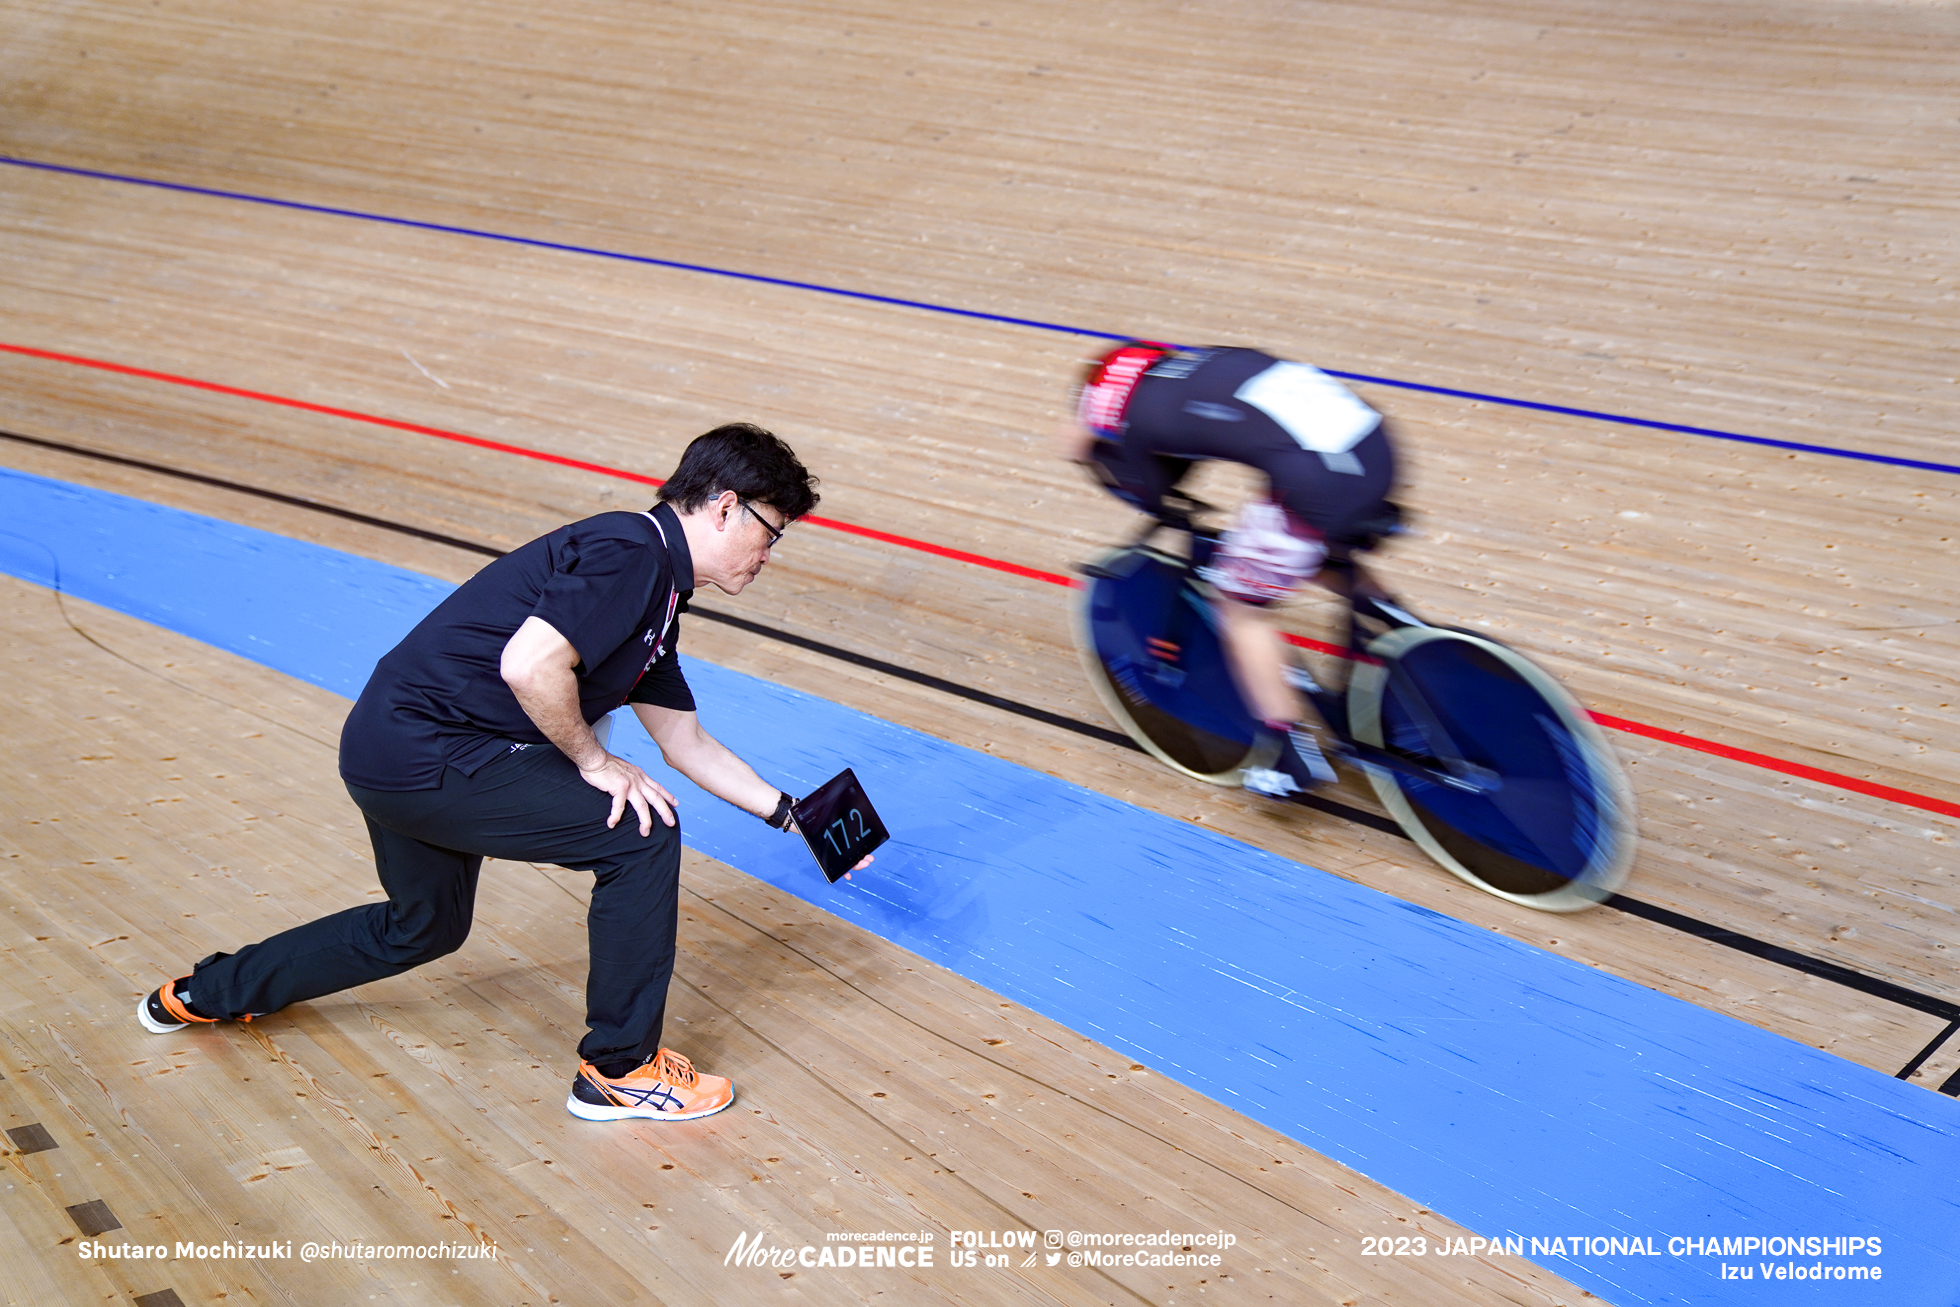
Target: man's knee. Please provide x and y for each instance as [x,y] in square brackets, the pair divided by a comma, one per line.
[409,939]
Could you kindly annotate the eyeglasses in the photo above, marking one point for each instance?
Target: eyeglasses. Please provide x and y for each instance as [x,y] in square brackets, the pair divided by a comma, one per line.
[775,534]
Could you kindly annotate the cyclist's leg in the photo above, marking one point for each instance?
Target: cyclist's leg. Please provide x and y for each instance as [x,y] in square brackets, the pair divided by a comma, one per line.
[1257,657]
[1321,513]
[1260,667]
[1264,557]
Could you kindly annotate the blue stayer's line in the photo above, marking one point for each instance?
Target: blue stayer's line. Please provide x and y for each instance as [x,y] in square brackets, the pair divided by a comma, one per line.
[867,296]
[556,245]
[1510,1089]
[1646,422]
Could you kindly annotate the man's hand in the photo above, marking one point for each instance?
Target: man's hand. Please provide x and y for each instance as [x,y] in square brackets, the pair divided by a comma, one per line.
[628,784]
[863,862]
[537,666]
[707,762]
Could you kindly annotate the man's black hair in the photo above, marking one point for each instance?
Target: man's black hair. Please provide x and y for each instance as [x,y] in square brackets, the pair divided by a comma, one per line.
[742,457]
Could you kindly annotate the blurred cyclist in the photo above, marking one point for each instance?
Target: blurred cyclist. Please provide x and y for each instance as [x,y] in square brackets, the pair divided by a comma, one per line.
[1146,412]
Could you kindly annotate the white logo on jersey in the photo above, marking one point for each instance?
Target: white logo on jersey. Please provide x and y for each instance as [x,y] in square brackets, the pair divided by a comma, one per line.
[1317,411]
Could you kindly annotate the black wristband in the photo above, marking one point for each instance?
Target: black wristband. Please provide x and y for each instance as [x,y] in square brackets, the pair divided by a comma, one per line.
[780,817]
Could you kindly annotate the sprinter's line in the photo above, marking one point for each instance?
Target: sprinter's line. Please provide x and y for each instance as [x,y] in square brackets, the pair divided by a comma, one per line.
[1908,798]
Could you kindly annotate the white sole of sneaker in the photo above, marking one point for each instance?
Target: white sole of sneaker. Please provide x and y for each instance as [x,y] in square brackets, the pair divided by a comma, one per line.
[585,1111]
[1270,784]
[150,1023]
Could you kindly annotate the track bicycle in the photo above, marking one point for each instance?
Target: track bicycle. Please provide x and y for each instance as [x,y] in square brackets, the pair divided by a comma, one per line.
[1479,754]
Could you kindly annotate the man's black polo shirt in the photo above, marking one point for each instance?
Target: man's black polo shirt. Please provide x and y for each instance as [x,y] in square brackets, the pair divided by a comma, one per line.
[608,584]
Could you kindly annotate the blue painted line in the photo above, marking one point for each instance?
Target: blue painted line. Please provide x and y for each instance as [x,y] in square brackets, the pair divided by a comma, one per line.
[560,246]
[1508,1088]
[976,314]
[1793,445]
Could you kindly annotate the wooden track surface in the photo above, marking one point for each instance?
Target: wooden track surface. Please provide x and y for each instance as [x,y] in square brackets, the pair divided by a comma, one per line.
[1732,216]
[878,1092]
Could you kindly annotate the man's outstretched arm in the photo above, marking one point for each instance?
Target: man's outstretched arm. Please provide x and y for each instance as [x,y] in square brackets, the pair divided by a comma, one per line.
[706,761]
[709,763]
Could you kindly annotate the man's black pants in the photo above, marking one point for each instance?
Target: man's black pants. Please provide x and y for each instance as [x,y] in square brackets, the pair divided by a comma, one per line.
[527,806]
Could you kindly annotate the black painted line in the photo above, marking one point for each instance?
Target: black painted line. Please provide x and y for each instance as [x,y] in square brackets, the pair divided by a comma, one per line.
[1359,816]
[1930,1049]
[926,679]
[1714,934]
[1796,961]
[273,495]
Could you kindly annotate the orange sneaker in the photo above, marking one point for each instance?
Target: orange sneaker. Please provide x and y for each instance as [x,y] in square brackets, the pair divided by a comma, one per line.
[164,1010]
[665,1087]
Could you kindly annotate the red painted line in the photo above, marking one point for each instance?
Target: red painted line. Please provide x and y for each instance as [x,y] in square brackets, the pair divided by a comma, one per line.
[926,546]
[1318,646]
[1906,797]
[923,546]
[1729,751]
[123,369]
[348,413]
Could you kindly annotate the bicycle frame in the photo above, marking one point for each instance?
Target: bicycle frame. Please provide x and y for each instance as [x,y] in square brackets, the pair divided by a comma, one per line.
[1455,772]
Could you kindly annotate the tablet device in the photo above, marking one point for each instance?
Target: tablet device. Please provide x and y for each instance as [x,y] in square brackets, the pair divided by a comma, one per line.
[839,824]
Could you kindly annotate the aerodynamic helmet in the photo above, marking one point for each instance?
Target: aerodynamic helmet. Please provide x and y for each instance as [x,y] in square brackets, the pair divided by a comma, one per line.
[1107,381]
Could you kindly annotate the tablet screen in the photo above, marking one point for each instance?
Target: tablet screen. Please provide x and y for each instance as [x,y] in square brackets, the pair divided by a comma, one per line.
[839,824]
